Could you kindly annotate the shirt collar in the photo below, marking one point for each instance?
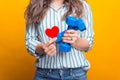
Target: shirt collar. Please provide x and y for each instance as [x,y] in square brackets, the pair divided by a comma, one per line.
[52,6]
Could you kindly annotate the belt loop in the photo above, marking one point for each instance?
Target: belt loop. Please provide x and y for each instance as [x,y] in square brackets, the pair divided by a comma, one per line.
[61,72]
[71,70]
[50,70]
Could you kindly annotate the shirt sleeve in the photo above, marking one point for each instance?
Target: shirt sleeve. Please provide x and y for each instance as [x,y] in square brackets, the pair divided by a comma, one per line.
[32,40]
[88,34]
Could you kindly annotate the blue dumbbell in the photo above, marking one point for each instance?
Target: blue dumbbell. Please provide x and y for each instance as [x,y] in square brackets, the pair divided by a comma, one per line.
[73,23]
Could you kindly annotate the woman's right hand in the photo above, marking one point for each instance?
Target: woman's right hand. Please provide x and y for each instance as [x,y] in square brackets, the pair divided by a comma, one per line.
[49,47]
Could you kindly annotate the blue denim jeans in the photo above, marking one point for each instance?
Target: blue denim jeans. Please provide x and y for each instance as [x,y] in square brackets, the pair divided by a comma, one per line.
[60,74]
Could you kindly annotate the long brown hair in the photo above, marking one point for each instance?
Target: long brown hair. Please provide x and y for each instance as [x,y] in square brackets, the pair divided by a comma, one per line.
[37,9]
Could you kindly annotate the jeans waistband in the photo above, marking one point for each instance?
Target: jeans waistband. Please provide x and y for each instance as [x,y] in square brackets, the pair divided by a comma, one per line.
[64,69]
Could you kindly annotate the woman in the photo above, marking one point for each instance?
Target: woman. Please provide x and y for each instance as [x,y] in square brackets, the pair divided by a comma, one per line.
[51,63]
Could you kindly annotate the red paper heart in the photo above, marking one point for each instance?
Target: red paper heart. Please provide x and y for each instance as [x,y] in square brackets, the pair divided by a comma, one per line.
[52,32]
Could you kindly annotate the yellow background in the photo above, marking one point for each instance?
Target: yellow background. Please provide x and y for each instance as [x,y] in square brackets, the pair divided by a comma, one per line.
[17,64]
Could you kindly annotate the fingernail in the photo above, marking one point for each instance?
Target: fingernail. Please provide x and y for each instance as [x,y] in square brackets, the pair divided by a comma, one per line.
[55,38]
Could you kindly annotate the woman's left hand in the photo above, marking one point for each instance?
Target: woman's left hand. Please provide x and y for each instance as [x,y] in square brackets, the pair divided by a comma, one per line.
[70,36]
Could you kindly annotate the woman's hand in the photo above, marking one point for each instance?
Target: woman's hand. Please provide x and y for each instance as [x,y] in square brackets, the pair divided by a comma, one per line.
[50,48]
[70,36]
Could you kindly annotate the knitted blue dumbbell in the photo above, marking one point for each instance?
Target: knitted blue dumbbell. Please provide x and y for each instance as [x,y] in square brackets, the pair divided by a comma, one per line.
[73,23]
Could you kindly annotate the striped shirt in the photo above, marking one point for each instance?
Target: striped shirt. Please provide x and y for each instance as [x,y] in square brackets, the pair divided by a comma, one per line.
[72,59]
